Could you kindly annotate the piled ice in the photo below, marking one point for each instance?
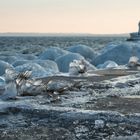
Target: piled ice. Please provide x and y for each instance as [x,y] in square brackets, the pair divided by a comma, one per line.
[55,59]
[119,53]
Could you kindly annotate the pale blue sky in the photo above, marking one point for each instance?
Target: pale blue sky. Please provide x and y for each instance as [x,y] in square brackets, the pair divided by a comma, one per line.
[69,16]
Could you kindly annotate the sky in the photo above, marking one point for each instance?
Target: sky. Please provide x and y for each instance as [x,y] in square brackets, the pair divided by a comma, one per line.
[69,16]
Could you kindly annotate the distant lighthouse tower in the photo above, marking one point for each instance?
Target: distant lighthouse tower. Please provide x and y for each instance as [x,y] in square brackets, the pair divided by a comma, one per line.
[139,28]
[136,35]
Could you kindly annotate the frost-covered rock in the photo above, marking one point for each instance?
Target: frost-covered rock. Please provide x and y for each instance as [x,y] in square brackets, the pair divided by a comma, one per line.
[64,61]
[4,66]
[37,70]
[108,64]
[52,53]
[118,53]
[83,50]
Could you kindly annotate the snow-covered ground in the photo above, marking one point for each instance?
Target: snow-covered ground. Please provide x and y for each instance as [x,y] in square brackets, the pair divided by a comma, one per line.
[69,88]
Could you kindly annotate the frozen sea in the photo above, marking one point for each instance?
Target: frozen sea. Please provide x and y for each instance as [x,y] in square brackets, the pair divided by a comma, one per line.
[17,51]
[31,45]
[85,109]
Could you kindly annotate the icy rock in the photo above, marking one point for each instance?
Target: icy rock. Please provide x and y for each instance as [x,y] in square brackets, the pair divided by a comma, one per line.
[99,124]
[108,64]
[4,66]
[64,61]
[119,53]
[52,53]
[83,50]
[37,70]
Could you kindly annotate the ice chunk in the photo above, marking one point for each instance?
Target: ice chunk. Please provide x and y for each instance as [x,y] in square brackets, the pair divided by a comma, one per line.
[108,64]
[52,53]
[77,67]
[64,61]
[48,65]
[83,50]
[10,91]
[27,56]
[4,66]
[37,70]
[8,59]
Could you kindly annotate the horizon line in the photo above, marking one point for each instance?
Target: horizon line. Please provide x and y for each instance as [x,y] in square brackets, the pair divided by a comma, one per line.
[59,33]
